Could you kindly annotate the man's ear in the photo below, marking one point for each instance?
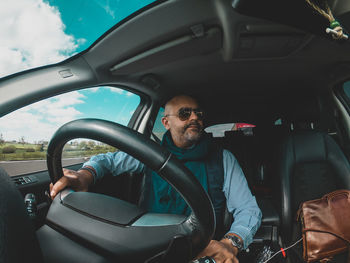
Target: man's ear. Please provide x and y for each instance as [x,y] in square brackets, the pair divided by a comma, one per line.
[165,123]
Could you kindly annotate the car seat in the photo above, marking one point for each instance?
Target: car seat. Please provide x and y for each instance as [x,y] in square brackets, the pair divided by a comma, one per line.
[18,242]
[309,164]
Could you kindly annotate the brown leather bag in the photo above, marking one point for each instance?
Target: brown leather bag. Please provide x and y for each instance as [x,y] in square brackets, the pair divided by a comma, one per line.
[325,226]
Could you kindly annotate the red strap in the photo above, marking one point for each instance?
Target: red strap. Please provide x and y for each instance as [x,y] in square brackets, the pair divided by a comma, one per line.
[283,252]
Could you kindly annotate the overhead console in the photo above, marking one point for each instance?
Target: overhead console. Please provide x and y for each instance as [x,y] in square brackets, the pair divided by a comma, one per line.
[267,40]
[296,13]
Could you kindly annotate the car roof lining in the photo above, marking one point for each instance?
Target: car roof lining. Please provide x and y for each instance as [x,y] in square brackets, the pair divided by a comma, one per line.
[150,51]
[151,61]
[176,49]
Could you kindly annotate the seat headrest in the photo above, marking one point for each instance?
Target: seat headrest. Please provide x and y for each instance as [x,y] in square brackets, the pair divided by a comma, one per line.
[304,114]
[308,110]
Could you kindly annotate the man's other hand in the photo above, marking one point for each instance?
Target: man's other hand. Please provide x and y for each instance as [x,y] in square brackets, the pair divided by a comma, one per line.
[221,251]
[77,180]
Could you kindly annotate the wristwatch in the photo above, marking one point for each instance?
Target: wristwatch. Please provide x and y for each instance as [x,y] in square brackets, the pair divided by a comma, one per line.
[236,241]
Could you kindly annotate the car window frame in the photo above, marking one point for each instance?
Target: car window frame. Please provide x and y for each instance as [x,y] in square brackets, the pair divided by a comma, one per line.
[341,95]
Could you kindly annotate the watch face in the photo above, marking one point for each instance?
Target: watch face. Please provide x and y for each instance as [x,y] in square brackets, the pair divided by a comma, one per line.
[235,241]
[204,260]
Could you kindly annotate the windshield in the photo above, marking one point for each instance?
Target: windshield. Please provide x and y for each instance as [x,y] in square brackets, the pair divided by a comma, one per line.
[41,32]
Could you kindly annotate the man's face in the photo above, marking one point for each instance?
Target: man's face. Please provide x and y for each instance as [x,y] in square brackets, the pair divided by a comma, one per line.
[184,131]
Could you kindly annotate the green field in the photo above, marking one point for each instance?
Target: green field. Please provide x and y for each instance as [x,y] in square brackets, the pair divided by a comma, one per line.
[19,145]
[38,152]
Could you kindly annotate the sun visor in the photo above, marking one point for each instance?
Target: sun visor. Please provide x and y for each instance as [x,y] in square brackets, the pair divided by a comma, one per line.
[187,46]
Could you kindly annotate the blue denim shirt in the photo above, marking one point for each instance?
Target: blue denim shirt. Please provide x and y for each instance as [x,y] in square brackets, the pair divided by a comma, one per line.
[239,200]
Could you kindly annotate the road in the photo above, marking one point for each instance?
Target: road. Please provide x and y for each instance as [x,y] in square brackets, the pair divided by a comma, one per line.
[32,166]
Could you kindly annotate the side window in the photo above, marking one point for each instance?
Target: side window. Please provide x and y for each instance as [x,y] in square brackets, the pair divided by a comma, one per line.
[278,122]
[343,97]
[25,133]
[219,130]
[158,128]
[346,88]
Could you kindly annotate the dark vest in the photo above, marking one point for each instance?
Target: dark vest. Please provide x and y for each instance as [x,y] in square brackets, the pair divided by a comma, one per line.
[215,173]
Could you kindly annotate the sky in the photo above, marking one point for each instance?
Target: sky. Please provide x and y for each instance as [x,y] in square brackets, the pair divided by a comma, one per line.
[40,32]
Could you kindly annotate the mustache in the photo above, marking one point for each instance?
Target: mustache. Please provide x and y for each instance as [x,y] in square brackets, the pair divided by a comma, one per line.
[195,123]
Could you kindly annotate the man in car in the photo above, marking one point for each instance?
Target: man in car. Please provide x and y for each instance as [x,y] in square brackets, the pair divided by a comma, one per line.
[185,138]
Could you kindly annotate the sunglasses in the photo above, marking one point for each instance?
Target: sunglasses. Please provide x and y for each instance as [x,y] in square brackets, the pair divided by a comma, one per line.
[185,113]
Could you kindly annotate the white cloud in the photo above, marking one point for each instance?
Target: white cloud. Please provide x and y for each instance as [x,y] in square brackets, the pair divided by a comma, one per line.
[32,34]
[94,90]
[120,91]
[109,11]
[40,120]
[107,8]
[116,90]
[112,89]
[20,123]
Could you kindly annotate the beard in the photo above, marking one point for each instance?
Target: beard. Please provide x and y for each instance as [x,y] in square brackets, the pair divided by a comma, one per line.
[187,135]
[192,132]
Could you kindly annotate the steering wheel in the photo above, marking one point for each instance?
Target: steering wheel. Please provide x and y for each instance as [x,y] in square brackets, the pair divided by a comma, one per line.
[118,228]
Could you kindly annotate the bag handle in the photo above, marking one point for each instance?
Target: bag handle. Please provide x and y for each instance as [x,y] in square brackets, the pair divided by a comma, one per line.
[327,197]
[323,231]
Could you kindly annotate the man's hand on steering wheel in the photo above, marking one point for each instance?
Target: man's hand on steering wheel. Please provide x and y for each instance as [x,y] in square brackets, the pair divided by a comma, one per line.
[77,180]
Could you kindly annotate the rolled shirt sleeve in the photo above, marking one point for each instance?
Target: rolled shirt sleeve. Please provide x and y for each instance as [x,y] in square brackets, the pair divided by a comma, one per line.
[240,201]
[115,163]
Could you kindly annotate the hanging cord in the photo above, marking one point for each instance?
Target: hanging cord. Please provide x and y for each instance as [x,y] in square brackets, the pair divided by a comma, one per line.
[282,250]
[334,26]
